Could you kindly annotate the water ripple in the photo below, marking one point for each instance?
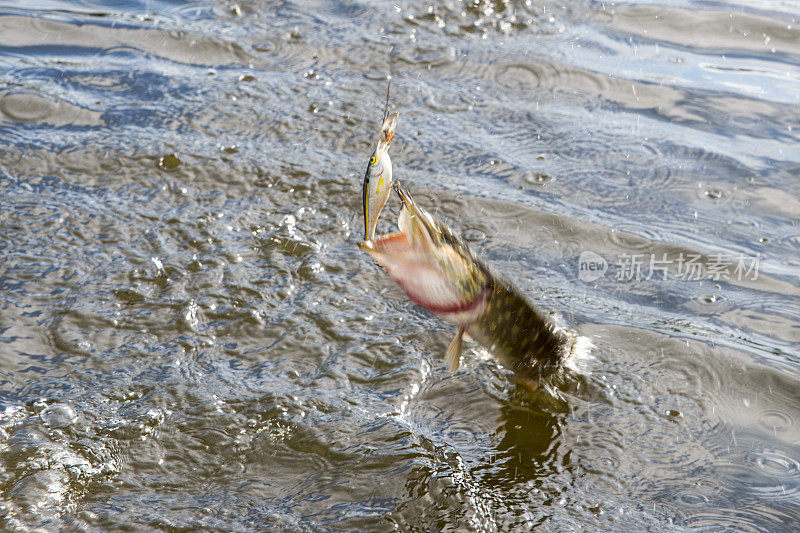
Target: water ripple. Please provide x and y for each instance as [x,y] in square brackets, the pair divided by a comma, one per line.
[191,339]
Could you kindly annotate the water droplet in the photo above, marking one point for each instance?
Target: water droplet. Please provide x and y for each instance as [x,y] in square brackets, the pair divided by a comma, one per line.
[777,464]
[537,178]
[693,498]
[674,414]
[58,415]
[247,77]
[264,46]
[169,162]
[376,75]
[775,420]
[519,77]
[473,235]
[129,296]
[714,194]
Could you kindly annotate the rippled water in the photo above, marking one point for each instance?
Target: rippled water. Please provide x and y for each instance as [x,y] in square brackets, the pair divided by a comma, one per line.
[191,339]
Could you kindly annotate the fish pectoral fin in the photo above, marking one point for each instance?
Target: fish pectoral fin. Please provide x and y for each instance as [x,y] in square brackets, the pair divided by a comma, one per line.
[453,355]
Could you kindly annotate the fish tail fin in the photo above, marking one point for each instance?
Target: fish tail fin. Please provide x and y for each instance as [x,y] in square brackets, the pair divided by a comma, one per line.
[387,131]
[579,351]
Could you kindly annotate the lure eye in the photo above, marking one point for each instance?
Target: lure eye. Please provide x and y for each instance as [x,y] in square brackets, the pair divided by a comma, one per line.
[373,160]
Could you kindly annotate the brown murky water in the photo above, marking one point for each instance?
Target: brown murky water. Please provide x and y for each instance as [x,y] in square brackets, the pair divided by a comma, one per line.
[191,339]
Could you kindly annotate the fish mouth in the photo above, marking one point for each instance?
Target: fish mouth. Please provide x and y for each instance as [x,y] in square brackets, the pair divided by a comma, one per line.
[410,218]
[412,257]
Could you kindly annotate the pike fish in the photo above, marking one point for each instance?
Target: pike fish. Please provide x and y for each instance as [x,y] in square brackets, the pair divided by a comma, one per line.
[439,272]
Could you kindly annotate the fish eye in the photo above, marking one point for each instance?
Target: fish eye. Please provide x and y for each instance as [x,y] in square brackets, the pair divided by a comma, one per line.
[373,160]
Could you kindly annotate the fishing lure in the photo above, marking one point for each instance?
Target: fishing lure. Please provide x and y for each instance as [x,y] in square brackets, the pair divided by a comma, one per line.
[378,177]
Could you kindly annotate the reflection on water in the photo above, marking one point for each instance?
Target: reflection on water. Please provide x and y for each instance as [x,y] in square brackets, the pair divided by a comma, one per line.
[191,338]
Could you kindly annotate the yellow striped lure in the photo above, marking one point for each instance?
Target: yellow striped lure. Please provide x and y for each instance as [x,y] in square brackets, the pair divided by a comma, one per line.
[378,177]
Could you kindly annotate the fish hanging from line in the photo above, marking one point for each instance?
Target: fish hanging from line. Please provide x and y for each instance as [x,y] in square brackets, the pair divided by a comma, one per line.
[439,272]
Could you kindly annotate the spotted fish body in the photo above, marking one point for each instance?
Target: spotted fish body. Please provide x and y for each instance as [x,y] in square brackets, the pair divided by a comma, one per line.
[519,335]
[439,271]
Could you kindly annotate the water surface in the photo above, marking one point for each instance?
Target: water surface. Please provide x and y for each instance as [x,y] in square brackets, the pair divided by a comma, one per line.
[191,338]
